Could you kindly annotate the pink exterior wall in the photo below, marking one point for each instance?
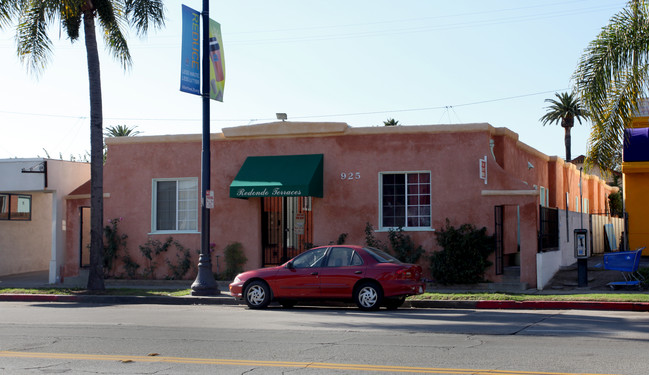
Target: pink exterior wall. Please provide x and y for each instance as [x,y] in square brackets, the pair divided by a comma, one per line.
[72,239]
[450,153]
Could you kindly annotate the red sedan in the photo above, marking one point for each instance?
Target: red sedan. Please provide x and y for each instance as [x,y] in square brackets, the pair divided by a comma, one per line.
[368,276]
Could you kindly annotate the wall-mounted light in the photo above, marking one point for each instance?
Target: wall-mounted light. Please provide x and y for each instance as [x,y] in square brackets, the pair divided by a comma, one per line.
[530,165]
[281,116]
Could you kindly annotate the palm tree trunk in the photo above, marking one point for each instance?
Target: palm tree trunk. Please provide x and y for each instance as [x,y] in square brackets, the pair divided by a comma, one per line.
[96,274]
[568,142]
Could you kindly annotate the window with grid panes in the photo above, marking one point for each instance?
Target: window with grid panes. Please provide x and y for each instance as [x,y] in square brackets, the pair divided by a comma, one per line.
[405,200]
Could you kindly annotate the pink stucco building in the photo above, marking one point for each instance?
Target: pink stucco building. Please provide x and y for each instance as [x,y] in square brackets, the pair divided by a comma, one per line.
[284,186]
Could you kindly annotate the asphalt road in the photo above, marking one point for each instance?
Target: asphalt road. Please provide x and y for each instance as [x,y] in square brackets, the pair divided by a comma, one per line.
[39,338]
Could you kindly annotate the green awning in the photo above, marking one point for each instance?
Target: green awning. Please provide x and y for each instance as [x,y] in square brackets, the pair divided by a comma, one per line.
[279,176]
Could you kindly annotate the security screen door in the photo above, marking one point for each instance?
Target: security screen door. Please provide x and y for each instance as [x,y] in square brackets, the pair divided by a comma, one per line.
[286,228]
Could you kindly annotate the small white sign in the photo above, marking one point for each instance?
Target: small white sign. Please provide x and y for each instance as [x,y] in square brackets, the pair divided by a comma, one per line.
[209,199]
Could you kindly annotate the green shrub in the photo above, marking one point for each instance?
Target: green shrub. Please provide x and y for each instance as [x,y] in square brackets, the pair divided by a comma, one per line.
[113,241]
[463,259]
[401,245]
[183,262]
[370,240]
[151,249]
[234,260]
[130,266]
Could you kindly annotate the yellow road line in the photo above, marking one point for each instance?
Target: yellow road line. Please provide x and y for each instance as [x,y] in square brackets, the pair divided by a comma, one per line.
[245,362]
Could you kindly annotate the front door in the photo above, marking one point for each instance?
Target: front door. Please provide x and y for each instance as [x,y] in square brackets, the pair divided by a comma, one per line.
[84,237]
[286,228]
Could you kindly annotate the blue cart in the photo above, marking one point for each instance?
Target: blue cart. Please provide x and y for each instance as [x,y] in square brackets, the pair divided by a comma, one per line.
[626,262]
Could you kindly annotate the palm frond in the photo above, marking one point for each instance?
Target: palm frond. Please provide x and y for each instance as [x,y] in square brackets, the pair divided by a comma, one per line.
[34,47]
[608,130]
[612,77]
[564,110]
[111,16]
[8,9]
[71,17]
[121,131]
[144,13]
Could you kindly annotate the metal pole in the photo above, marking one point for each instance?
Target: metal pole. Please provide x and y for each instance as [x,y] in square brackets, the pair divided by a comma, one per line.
[205,285]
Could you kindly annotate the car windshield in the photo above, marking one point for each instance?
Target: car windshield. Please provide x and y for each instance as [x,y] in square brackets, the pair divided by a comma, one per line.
[381,256]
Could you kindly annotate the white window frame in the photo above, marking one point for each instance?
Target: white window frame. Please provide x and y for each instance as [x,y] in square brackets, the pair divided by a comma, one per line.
[381,228]
[577,205]
[154,208]
[585,206]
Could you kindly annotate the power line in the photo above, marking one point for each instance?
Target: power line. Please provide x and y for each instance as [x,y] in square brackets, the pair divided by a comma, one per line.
[348,114]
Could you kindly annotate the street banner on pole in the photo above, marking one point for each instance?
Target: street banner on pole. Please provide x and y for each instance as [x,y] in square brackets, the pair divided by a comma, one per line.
[217,70]
[190,66]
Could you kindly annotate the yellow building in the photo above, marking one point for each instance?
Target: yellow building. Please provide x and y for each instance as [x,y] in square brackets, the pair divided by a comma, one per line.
[635,168]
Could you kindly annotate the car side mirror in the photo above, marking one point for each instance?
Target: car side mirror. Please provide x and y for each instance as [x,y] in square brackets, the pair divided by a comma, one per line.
[290,265]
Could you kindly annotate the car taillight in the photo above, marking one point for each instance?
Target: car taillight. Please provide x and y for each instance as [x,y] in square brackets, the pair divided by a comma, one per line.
[404,275]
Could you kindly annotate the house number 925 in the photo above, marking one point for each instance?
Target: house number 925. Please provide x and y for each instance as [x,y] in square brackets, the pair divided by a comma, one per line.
[350,175]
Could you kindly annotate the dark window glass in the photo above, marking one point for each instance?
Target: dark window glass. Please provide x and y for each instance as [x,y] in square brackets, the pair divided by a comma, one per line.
[166,205]
[15,207]
[381,256]
[406,200]
[310,259]
[4,207]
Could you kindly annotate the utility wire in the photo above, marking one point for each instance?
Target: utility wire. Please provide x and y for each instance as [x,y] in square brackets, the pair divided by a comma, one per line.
[299,117]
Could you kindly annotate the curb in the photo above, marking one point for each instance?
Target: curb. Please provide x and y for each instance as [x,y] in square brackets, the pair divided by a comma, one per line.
[532,305]
[120,300]
[225,299]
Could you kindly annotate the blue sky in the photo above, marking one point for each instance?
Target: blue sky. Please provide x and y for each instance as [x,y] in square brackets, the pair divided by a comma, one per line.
[360,62]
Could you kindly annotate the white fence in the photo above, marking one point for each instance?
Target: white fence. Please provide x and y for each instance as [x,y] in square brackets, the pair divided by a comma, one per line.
[548,263]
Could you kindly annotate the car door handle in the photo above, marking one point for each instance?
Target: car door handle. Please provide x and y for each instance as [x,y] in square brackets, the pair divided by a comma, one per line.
[314,273]
[358,272]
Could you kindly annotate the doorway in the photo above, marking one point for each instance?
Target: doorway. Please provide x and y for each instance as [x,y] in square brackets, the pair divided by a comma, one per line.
[286,228]
[84,237]
[507,237]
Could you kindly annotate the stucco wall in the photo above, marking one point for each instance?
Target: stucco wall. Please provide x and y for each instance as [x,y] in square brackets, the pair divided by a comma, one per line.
[347,205]
[45,239]
[22,249]
[450,153]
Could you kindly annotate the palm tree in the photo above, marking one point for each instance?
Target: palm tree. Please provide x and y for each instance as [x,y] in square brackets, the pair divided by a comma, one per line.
[564,111]
[390,122]
[34,48]
[612,77]
[121,131]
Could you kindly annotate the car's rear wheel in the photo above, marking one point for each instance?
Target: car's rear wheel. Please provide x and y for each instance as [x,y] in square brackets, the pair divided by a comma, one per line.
[368,296]
[257,295]
[394,303]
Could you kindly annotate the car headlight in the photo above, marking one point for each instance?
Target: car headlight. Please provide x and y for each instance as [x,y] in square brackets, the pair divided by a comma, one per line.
[237,280]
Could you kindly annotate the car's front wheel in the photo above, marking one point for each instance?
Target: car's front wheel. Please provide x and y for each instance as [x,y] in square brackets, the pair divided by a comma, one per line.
[257,295]
[368,296]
